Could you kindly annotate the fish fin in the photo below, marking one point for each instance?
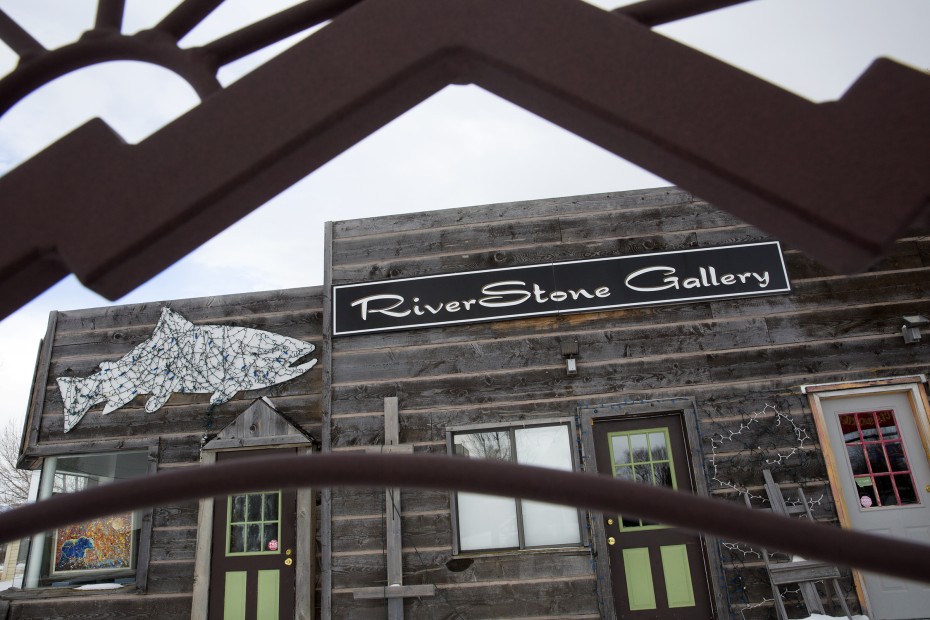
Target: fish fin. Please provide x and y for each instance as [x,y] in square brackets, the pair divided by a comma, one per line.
[157,400]
[115,402]
[226,391]
[78,395]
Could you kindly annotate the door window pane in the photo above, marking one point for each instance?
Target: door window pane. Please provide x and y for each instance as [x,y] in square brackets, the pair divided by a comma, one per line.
[271,507]
[621,449]
[238,508]
[885,490]
[850,428]
[651,464]
[658,447]
[905,489]
[877,458]
[867,426]
[896,456]
[887,425]
[639,443]
[253,522]
[874,451]
[253,541]
[662,474]
[857,459]
[255,507]
[237,539]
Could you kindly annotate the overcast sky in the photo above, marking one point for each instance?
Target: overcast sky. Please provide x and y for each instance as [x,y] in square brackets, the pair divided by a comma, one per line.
[461,147]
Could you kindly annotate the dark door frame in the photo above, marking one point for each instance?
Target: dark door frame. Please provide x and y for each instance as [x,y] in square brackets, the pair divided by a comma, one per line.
[591,413]
[304,543]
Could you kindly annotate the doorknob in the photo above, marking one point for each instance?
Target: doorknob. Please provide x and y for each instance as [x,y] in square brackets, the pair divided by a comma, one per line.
[927,488]
[288,561]
[611,540]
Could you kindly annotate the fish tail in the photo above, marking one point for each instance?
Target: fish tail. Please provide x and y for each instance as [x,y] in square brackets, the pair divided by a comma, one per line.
[78,395]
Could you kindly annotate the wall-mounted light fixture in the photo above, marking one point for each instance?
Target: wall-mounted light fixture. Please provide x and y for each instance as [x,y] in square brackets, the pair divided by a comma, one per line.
[911,328]
[569,351]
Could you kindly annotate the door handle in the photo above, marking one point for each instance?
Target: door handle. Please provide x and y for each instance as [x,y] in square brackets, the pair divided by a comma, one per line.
[288,561]
[611,541]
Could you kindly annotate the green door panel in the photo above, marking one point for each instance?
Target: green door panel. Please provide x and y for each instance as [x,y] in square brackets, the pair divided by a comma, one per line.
[268,585]
[234,599]
[639,586]
[677,573]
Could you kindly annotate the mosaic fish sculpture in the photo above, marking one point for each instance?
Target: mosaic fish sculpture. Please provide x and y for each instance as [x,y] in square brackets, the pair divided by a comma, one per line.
[181,357]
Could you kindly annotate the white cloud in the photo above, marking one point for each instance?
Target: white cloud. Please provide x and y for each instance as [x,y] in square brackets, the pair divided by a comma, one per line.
[52,23]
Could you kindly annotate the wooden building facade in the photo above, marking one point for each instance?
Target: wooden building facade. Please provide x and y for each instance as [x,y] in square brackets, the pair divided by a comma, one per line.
[695,388]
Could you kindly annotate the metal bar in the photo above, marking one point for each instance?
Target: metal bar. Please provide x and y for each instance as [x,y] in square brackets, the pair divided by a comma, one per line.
[17,38]
[186,16]
[110,14]
[111,218]
[275,28]
[882,554]
[657,12]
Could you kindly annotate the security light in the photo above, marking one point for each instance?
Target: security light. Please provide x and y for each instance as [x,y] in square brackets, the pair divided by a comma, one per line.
[569,351]
[911,328]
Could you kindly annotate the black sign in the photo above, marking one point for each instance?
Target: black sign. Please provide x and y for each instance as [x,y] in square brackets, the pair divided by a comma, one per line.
[574,286]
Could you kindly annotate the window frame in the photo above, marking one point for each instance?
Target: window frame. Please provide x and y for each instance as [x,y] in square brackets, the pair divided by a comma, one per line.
[511,428]
[140,568]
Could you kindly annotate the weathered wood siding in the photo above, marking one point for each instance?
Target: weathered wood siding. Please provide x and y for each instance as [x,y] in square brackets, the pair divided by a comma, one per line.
[79,340]
[741,360]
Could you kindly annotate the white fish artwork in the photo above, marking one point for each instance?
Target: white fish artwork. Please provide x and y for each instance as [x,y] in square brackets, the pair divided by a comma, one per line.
[181,357]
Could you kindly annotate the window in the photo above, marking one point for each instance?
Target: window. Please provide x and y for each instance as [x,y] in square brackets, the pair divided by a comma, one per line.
[253,523]
[877,458]
[486,522]
[642,456]
[102,550]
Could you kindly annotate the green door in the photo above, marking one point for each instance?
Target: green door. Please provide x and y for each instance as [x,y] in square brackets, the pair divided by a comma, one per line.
[253,561]
[657,571]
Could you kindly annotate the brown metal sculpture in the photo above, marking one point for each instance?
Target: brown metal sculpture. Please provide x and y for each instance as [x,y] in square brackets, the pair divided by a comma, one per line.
[838,180]
[601,493]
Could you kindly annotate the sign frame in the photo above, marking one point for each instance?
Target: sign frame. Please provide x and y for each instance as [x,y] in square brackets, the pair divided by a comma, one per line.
[661,278]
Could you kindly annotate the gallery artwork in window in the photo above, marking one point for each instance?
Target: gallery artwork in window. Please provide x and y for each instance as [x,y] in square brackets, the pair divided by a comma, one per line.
[100,544]
[485,522]
[101,550]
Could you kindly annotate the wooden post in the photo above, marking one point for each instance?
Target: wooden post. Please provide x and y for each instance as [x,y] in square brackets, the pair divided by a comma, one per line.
[394,591]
